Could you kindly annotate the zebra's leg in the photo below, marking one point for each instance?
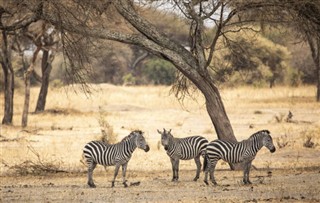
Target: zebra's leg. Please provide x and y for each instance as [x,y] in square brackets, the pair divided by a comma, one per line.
[115,174]
[124,170]
[246,172]
[91,166]
[206,167]
[198,163]
[175,169]
[211,170]
[206,175]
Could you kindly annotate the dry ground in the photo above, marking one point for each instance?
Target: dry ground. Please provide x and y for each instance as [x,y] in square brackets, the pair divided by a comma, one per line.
[54,139]
[155,186]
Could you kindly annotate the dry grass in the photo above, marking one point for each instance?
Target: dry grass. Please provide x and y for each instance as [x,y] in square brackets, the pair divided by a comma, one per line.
[73,119]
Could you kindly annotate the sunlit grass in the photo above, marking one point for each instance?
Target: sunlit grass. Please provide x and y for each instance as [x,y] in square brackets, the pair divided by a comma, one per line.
[72,119]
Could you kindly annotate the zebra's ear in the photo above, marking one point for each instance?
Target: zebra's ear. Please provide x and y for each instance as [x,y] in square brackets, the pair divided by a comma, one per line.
[170,131]
[159,131]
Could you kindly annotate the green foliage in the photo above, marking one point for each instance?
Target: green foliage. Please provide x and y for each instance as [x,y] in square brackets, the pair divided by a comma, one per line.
[294,77]
[256,60]
[158,72]
[129,79]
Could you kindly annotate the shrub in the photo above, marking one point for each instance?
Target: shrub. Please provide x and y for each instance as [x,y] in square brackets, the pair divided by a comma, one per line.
[129,79]
[252,59]
[159,72]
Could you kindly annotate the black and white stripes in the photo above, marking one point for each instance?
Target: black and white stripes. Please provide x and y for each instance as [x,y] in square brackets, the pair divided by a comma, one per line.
[241,152]
[184,149]
[244,152]
[97,152]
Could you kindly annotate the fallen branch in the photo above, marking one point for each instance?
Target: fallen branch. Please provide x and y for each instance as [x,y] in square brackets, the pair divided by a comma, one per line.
[36,168]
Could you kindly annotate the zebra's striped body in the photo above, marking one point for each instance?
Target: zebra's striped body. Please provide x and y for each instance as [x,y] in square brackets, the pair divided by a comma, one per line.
[97,152]
[184,149]
[240,152]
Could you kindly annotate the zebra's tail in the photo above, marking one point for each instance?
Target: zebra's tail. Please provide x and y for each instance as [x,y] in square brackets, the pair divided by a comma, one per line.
[205,162]
[83,160]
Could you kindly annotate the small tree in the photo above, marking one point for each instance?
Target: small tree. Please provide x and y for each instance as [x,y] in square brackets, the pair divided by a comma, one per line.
[257,58]
[12,19]
[5,60]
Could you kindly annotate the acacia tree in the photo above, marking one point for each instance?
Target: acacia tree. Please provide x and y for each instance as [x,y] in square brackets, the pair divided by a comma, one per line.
[308,25]
[22,28]
[12,19]
[88,19]
[302,17]
[192,63]
[81,21]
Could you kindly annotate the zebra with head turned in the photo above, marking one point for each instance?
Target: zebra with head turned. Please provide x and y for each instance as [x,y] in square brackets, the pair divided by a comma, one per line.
[240,152]
[119,154]
[184,149]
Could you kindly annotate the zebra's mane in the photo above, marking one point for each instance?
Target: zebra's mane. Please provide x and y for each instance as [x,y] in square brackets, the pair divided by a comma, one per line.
[259,133]
[133,133]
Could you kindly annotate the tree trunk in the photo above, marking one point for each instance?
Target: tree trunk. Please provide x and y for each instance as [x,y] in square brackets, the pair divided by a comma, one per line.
[216,110]
[317,61]
[218,115]
[27,75]
[8,96]
[46,70]
[318,82]
[8,82]
[314,45]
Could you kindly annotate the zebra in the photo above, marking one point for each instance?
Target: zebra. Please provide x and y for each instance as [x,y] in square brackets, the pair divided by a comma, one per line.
[183,148]
[241,152]
[119,154]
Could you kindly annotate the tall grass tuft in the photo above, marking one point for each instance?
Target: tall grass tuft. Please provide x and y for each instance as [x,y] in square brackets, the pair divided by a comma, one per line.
[107,134]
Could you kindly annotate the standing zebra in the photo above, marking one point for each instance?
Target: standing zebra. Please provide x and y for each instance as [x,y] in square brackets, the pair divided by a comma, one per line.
[119,154]
[240,152]
[184,149]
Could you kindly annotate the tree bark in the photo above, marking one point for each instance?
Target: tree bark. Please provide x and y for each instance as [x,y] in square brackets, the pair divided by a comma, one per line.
[27,75]
[8,82]
[217,112]
[318,85]
[314,44]
[317,63]
[46,68]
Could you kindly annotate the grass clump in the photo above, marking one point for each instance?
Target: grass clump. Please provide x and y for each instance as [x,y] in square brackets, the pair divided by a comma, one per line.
[107,134]
[38,167]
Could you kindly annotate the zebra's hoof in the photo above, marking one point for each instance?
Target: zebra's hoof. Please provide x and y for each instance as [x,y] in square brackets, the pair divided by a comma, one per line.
[112,184]
[92,185]
[247,182]
[125,184]
[196,178]
[206,182]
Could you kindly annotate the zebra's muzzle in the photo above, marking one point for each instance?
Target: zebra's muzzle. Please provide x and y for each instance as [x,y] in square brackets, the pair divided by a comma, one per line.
[147,148]
[273,150]
[166,147]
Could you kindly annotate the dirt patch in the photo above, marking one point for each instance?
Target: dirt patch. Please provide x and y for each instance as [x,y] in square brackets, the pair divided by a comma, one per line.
[156,186]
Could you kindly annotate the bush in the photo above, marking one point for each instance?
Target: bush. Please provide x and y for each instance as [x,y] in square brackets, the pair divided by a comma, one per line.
[158,72]
[129,79]
[251,58]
